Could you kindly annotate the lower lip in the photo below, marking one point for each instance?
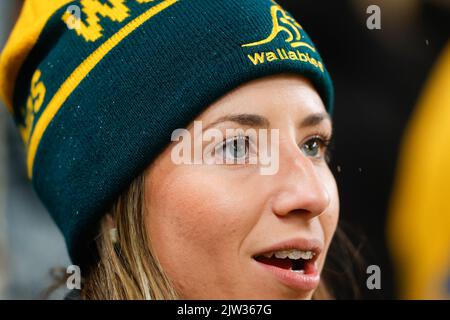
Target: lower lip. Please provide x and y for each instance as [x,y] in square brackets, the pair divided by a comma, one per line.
[304,282]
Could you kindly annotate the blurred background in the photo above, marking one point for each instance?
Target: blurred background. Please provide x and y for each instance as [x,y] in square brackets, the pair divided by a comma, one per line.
[392,96]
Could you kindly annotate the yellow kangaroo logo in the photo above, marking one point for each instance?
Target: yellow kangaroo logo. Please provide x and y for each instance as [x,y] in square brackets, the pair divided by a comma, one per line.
[283,22]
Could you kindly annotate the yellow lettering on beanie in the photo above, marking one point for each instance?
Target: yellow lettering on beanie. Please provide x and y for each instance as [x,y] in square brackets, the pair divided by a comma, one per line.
[265,57]
[91,29]
[34,104]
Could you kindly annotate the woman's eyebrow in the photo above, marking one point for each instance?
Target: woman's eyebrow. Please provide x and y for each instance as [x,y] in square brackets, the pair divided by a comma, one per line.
[244,119]
[314,120]
[255,120]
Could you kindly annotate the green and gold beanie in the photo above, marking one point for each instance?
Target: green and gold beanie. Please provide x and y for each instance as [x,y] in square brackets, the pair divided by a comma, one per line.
[96,87]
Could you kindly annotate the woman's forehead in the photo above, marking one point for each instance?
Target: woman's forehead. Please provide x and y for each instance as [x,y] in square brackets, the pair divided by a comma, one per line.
[275,98]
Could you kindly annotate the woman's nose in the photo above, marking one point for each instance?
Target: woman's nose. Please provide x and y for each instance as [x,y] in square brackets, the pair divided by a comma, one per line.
[301,188]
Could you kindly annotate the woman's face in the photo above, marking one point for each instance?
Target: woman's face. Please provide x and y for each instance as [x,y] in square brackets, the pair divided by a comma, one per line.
[210,224]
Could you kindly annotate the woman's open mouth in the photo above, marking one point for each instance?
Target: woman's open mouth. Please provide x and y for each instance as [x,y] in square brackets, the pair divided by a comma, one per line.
[294,267]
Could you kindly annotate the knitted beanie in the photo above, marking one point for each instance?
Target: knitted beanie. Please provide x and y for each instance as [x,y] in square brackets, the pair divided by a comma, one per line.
[96,88]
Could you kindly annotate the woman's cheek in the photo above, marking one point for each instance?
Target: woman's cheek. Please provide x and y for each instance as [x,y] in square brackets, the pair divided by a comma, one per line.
[209,219]
[199,219]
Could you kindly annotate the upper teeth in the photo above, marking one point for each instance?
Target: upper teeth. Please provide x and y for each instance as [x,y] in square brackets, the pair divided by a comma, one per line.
[291,254]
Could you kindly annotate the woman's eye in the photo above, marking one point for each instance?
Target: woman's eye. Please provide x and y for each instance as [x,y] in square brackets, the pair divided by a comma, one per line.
[234,150]
[312,147]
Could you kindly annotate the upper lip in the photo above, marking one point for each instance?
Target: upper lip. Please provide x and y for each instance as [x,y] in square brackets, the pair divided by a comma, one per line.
[301,244]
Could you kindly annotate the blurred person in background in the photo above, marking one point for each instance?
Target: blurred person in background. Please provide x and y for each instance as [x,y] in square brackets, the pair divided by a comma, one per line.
[419,230]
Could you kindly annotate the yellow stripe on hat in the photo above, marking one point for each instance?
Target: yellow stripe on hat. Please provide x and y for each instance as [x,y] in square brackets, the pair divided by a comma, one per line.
[80,73]
[32,19]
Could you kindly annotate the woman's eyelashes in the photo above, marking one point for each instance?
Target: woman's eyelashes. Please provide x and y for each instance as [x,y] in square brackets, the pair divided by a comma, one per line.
[242,149]
[317,146]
